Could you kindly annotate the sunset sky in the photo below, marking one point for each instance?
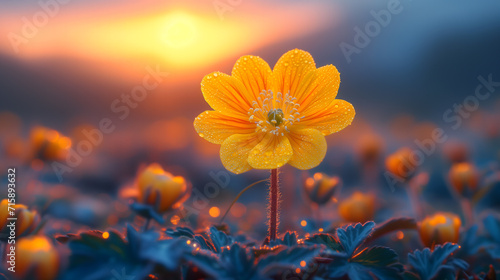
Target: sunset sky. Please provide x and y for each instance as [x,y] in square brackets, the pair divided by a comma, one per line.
[76,58]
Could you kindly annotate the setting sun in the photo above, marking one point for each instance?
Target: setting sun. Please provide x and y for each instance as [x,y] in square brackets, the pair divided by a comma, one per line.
[180,31]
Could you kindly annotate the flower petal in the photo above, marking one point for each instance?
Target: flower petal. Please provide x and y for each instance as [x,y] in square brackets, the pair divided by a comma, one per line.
[215,127]
[272,152]
[235,150]
[254,73]
[337,116]
[321,92]
[293,73]
[226,94]
[309,148]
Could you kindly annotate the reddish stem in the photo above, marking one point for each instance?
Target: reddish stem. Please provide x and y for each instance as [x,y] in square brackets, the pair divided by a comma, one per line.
[468,211]
[273,205]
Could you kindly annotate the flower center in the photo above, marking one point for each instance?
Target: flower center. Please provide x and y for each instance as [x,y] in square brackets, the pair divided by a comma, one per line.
[275,117]
[274,113]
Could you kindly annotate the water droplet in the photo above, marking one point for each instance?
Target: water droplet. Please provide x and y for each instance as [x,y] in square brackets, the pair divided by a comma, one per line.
[215,74]
[201,135]
[336,105]
[286,64]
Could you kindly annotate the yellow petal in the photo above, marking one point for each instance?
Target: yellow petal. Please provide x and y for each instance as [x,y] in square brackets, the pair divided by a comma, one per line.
[254,73]
[337,116]
[215,127]
[235,149]
[294,72]
[272,152]
[309,148]
[226,94]
[321,92]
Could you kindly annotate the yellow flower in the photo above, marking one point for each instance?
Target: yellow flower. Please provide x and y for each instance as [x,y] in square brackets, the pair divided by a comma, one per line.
[320,188]
[358,208]
[26,222]
[267,118]
[36,257]
[161,189]
[439,228]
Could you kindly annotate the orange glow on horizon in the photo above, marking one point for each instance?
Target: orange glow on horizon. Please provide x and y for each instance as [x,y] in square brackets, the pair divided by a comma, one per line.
[175,37]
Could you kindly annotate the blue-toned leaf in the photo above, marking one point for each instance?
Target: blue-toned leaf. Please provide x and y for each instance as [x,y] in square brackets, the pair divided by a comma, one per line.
[469,242]
[287,259]
[381,262]
[233,263]
[237,261]
[139,240]
[428,264]
[492,244]
[289,239]
[94,257]
[328,240]
[353,236]
[204,243]
[219,239]
[207,262]
[180,232]
[146,211]
[493,251]
[168,253]
[492,224]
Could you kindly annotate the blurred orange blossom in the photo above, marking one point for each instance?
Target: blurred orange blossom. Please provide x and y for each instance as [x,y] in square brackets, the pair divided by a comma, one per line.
[267,118]
[161,189]
[37,257]
[439,229]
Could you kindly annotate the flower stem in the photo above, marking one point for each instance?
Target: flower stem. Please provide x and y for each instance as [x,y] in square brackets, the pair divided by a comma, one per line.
[414,195]
[146,225]
[467,211]
[274,193]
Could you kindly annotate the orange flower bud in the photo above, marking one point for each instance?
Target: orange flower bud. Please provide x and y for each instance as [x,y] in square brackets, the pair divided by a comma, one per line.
[400,163]
[370,147]
[439,228]
[27,221]
[48,144]
[464,177]
[456,151]
[358,208]
[36,257]
[320,188]
[161,189]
